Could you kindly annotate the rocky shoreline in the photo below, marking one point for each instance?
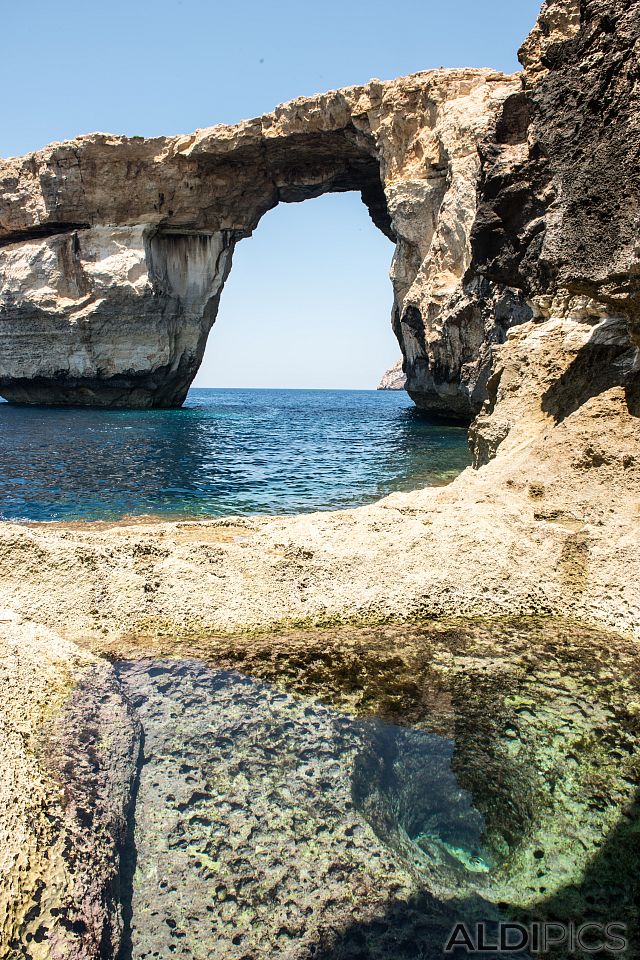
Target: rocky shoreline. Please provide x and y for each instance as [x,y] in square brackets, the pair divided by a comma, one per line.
[529,320]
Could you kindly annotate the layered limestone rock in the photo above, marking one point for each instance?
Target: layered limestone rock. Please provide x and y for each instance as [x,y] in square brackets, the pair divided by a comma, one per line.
[110,315]
[115,250]
[394,378]
[500,210]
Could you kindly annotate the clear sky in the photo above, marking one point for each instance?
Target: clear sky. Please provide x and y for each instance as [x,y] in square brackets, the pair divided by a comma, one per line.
[308,300]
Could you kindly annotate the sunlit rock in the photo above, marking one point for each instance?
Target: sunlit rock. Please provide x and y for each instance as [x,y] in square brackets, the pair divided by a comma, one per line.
[394,378]
[115,250]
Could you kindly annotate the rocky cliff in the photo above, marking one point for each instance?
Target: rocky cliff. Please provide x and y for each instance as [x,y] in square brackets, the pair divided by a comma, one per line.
[114,250]
[556,230]
[107,298]
[394,378]
[510,200]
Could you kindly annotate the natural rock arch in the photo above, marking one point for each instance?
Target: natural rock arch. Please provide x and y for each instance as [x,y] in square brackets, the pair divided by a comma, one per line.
[115,250]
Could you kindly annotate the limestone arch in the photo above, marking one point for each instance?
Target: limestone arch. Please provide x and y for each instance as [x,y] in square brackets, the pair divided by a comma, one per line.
[114,250]
[192,265]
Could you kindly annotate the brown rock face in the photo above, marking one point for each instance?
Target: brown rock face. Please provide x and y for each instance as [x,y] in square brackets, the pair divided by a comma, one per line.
[115,250]
[69,748]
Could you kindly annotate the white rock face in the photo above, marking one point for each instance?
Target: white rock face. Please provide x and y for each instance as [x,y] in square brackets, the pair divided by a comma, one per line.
[394,378]
[81,314]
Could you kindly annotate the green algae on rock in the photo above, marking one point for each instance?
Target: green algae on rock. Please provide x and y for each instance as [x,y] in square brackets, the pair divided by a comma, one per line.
[503,780]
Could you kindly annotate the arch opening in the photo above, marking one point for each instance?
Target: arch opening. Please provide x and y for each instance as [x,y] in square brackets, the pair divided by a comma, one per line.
[308,303]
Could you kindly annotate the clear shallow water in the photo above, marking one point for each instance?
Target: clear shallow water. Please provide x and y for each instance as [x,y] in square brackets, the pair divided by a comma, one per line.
[267,825]
[225,452]
[449,771]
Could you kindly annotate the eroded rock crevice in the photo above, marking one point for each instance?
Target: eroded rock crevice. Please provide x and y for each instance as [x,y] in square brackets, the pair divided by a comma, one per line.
[344,803]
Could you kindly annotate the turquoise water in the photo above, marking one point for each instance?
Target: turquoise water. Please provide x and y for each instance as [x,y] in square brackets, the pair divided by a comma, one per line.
[394,780]
[225,452]
[271,826]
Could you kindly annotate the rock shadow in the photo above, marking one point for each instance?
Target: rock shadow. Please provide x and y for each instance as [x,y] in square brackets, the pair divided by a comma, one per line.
[418,929]
[607,360]
[129,862]
[609,891]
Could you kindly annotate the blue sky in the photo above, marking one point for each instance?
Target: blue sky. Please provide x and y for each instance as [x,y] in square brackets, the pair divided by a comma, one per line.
[308,300]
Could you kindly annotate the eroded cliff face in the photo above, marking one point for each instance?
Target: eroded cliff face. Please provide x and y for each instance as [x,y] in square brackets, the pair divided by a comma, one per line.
[510,200]
[108,315]
[556,232]
[115,250]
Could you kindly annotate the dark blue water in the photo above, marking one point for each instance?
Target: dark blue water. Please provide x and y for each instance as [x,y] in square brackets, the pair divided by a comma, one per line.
[225,452]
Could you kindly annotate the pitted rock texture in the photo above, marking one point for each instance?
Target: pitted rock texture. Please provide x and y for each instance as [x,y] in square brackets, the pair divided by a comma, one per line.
[269,824]
[68,747]
[115,250]
[248,841]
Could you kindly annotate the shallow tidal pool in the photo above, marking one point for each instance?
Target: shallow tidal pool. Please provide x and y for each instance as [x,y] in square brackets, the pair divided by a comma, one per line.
[365,788]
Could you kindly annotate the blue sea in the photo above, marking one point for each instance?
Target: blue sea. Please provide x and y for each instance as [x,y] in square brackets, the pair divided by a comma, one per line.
[225,452]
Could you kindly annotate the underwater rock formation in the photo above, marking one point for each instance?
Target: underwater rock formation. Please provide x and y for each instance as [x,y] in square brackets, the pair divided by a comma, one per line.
[107,295]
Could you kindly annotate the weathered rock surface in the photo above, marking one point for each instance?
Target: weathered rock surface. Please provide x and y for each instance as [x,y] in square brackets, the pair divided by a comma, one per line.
[269,824]
[558,212]
[545,330]
[246,835]
[115,250]
[68,745]
[394,378]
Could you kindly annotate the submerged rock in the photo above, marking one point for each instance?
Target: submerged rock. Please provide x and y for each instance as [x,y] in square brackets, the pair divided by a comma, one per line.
[247,841]
[452,770]
[267,823]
